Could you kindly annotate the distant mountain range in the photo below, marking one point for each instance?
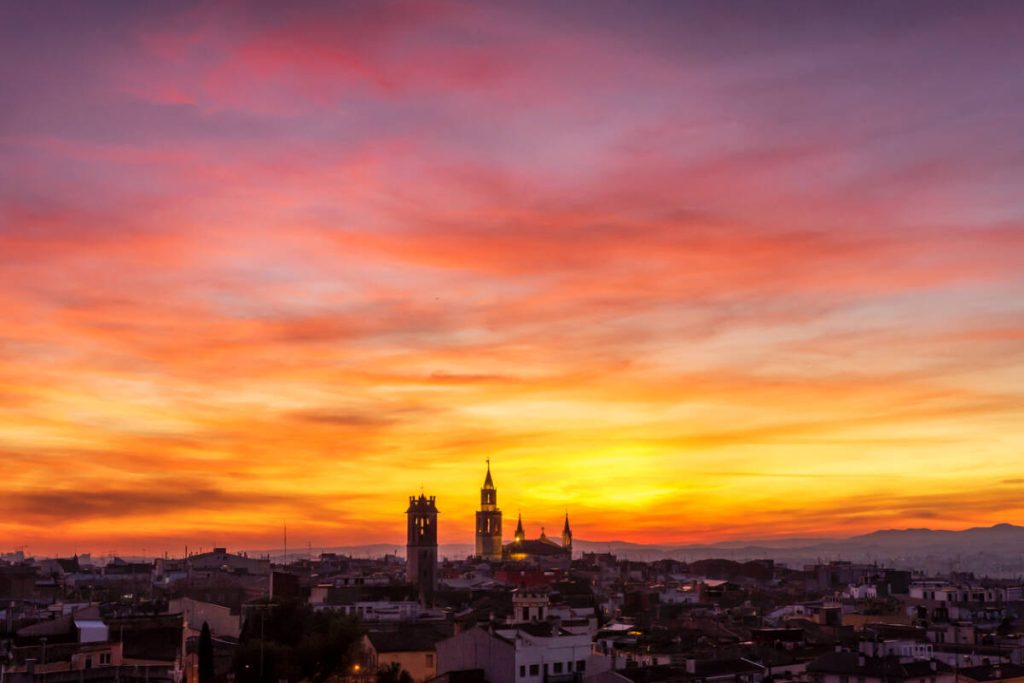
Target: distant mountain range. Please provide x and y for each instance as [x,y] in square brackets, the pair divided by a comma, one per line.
[994,551]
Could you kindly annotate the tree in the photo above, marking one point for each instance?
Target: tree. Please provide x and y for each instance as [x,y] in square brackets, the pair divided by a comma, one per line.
[297,643]
[206,670]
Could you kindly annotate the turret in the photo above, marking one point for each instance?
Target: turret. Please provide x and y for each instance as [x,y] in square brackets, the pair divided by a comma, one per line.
[422,521]
[520,534]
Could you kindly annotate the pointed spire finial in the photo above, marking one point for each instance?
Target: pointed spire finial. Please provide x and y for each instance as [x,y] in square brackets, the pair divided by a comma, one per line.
[488,482]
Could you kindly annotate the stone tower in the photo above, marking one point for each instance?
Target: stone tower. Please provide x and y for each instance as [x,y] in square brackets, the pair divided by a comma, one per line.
[488,521]
[421,548]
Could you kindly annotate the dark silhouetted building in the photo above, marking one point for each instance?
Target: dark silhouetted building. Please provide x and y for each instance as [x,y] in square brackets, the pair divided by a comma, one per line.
[542,549]
[421,547]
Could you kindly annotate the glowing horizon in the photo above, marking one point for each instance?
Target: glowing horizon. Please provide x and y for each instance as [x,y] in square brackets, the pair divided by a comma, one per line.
[690,273]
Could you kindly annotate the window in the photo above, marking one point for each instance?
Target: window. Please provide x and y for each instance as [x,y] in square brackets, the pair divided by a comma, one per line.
[88,662]
[545,668]
[534,669]
[522,671]
[558,667]
[104,658]
[581,665]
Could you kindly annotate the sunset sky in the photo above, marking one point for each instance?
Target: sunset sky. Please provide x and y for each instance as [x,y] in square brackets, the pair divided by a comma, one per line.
[689,271]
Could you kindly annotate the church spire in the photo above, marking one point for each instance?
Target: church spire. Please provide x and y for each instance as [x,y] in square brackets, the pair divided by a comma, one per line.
[488,494]
[567,534]
[520,534]
[488,482]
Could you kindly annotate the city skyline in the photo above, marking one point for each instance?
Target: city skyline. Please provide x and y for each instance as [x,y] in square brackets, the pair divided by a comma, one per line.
[691,272]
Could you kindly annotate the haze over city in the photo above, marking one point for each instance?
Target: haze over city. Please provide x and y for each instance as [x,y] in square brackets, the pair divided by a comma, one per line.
[687,273]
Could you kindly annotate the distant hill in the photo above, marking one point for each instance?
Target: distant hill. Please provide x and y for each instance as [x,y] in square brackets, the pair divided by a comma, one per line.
[994,551]
[987,551]
[1000,533]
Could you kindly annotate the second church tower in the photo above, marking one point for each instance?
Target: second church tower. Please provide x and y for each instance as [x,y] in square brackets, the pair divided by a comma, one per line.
[488,521]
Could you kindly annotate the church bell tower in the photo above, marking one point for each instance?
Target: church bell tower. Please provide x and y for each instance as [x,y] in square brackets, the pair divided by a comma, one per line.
[421,548]
[488,521]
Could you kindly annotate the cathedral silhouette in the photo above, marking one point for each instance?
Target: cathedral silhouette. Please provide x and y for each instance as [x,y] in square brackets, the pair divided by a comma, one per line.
[488,533]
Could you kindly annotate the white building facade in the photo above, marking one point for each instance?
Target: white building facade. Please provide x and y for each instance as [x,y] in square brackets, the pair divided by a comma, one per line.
[521,655]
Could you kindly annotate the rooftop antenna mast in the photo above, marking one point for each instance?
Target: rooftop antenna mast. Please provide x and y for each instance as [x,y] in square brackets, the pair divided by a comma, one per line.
[285,542]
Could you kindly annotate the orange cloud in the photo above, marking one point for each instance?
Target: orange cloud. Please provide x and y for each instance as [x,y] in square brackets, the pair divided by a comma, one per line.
[263,264]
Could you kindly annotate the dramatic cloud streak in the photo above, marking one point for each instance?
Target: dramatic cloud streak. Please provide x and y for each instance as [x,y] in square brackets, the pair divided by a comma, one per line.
[724,273]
